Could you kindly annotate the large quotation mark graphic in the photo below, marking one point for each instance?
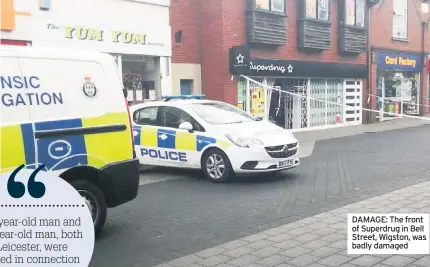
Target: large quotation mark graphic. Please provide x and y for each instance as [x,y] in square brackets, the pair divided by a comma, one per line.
[17,189]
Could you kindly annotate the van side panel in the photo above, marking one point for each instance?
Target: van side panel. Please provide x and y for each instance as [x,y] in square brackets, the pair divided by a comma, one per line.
[59,153]
[107,147]
[12,152]
[82,129]
[16,138]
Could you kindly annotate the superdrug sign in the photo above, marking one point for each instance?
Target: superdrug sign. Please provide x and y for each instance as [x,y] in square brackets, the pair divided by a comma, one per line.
[242,64]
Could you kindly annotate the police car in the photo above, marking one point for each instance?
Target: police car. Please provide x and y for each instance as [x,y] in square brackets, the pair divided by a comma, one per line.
[191,132]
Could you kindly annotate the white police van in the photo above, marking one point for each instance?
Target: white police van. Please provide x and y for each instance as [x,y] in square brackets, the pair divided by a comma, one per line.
[210,135]
[64,112]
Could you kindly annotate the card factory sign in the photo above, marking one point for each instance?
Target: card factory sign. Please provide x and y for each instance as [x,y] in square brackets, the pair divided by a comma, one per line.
[120,40]
[399,61]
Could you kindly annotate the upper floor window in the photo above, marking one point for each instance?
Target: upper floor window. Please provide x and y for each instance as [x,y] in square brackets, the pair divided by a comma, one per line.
[400,19]
[271,5]
[317,9]
[355,13]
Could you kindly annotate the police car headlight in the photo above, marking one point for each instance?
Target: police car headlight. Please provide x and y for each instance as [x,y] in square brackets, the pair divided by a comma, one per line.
[244,141]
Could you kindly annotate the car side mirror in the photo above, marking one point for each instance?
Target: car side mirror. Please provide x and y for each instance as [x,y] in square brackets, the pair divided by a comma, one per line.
[186,126]
[125,92]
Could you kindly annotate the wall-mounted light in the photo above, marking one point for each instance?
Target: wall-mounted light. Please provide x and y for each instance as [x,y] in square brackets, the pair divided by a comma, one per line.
[45,4]
[178,36]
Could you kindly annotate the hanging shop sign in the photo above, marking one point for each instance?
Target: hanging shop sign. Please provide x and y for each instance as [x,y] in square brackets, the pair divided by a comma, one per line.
[241,63]
[399,61]
[119,39]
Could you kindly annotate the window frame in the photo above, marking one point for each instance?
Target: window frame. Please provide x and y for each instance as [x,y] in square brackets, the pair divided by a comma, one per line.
[157,119]
[345,14]
[405,21]
[193,121]
[317,4]
[270,10]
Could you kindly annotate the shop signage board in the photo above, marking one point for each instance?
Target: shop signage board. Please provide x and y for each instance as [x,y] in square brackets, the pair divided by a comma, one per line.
[241,63]
[84,34]
[399,61]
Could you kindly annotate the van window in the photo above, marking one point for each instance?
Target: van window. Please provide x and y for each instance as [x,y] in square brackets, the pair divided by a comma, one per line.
[146,116]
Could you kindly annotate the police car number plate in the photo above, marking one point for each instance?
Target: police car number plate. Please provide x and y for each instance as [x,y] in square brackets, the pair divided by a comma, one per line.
[285,163]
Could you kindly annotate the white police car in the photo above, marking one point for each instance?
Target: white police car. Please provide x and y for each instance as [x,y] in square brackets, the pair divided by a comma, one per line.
[210,135]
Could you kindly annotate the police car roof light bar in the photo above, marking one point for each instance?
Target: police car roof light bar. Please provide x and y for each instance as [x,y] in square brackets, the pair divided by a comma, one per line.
[170,97]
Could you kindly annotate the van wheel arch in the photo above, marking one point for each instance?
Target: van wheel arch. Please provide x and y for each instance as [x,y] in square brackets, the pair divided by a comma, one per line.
[93,175]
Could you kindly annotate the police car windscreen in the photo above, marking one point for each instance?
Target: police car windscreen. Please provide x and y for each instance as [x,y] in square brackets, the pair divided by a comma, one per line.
[220,113]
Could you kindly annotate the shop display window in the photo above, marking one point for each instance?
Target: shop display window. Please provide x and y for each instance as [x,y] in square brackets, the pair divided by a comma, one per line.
[398,93]
[140,75]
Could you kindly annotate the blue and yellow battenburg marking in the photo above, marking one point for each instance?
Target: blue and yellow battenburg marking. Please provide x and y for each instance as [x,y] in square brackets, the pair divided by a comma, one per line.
[171,139]
[19,145]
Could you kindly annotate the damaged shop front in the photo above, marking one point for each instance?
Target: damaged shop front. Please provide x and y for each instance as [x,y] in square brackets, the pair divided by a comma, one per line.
[298,95]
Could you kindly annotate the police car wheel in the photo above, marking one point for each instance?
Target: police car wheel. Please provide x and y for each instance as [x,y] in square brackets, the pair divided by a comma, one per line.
[216,166]
[95,200]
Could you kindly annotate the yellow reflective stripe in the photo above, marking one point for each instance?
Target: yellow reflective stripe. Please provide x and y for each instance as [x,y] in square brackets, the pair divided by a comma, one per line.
[186,141]
[106,148]
[148,137]
[222,143]
[12,153]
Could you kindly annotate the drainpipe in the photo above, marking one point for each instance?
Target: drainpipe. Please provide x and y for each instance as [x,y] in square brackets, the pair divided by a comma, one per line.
[369,68]
[423,82]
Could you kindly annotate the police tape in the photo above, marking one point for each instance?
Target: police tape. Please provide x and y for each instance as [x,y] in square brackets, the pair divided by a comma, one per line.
[330,102]
[396,101]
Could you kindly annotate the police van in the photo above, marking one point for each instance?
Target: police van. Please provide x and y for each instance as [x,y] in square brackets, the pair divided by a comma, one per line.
[65,112]
[222,140]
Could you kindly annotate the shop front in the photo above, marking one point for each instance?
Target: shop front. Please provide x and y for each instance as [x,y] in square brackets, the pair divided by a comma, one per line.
[398,83]
[298,94]
[143,54]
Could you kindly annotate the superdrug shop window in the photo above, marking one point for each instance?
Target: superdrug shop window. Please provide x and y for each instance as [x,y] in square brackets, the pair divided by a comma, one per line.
[317,9]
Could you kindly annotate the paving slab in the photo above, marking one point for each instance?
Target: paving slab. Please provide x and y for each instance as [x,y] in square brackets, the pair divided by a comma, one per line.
[178,217]
[280,246]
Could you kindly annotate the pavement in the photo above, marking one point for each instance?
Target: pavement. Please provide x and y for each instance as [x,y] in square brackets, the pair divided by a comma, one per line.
[177,213]
[317,241]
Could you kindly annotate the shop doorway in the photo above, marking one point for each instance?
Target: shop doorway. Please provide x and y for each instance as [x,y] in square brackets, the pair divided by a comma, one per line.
[140,75]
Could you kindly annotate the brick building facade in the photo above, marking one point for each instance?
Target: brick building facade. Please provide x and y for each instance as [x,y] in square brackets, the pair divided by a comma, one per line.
[400,43]
[324,41]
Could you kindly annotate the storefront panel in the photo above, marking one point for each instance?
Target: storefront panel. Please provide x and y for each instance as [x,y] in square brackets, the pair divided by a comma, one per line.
[241,63]
[398,83]
[298,94]
[110,36]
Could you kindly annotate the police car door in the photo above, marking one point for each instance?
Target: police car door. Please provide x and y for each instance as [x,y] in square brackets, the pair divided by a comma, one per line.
[146,122]
[178,147]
